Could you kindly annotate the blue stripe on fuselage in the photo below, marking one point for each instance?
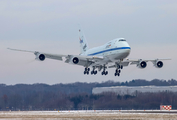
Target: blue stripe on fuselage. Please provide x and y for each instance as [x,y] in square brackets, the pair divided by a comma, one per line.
[112,49]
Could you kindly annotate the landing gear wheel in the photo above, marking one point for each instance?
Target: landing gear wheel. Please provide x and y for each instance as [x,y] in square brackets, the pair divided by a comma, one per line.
[95,72]
[103,73]
[106,72]
[121,67]
[118,66]
[87,71]
[118,74]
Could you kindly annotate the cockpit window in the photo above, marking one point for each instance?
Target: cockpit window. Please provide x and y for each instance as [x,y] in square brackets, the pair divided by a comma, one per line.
[122,40]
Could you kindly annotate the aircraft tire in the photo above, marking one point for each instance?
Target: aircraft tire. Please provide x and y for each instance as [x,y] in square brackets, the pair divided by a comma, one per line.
[106,72]
[118,67]
[103,73]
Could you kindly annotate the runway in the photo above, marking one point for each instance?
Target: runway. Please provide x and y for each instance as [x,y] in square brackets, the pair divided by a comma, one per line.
[90,115]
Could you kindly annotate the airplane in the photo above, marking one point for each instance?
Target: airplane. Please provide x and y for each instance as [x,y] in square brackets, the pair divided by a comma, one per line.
[113,54]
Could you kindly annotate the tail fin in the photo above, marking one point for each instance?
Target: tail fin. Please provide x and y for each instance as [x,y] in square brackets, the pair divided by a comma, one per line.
[83,42]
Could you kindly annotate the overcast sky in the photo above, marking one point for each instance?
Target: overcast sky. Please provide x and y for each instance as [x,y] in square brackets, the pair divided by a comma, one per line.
[51,26]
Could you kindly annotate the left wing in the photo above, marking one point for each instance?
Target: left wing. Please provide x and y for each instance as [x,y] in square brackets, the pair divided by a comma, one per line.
[141,63]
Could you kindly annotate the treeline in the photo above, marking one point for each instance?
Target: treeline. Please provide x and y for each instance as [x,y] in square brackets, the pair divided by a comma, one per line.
[78,96]
[104,101]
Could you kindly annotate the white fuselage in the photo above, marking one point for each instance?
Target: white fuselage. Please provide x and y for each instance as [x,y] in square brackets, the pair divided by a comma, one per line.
[114,50]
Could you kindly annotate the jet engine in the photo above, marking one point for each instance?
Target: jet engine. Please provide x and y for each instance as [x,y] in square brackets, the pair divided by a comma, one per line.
[40,57]
[158,64]
[142,64]
[75,60]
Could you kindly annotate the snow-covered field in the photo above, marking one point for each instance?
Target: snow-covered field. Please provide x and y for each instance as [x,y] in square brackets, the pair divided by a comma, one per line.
[87,115]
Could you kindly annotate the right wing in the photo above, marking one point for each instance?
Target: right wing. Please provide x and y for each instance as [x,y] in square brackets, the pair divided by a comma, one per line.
[85,61]
[42,56]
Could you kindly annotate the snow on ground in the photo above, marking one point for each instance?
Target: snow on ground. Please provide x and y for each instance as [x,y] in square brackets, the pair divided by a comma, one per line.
[87,115]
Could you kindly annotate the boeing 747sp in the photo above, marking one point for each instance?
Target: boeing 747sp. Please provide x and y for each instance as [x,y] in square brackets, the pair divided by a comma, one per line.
[110,55]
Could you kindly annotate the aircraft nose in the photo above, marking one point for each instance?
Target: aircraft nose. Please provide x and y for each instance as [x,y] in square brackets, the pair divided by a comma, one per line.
[127,52]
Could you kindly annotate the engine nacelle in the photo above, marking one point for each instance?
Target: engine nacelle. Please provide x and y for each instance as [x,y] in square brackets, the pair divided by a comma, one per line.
[142,64]
[158,64]
[75,60]
[40,57]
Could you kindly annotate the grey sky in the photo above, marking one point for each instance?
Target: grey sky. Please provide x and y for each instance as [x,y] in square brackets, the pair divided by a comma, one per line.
[52,26]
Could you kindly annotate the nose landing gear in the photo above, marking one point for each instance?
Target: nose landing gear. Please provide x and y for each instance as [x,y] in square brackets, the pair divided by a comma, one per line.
[118,70]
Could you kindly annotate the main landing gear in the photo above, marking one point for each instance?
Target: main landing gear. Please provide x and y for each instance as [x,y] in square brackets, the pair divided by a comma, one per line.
[104,71]
[87,71]
[118,71]
[93,71]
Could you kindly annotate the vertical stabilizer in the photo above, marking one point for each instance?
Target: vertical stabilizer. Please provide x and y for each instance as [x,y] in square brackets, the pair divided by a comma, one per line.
[83,42]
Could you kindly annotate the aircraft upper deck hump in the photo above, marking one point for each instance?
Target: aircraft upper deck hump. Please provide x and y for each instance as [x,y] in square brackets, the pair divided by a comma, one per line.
[83,42]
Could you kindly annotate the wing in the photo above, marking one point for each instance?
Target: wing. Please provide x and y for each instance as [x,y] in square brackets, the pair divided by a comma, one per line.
[96,61]
[73,59]
[141,63]
[40,54]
